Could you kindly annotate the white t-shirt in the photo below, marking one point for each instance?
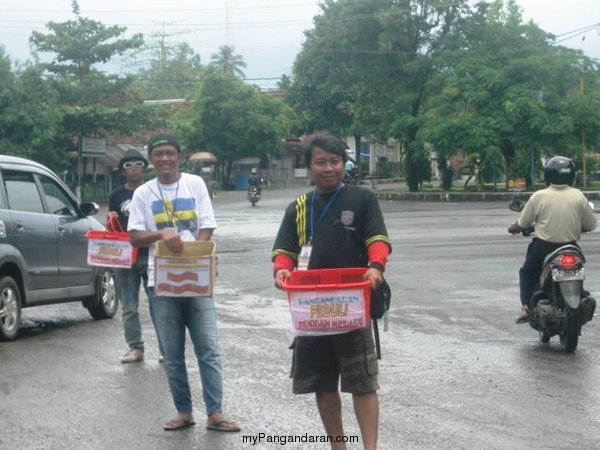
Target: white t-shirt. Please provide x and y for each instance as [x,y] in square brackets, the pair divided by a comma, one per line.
[184,204]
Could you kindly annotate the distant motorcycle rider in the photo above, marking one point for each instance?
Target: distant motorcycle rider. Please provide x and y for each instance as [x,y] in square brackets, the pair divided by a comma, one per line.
[560,214]
[255,180]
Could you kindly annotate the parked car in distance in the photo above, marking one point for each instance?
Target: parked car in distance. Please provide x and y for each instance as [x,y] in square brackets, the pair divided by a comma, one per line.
[43,248]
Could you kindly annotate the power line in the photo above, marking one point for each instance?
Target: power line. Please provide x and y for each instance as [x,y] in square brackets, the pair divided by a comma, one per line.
[574,33]
[139,11]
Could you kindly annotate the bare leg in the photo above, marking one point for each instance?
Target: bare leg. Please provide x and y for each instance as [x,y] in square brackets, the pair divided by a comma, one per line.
[330,409]
[366,408]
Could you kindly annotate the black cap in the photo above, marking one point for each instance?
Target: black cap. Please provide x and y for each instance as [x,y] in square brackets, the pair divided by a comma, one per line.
[162,139]
[132,155]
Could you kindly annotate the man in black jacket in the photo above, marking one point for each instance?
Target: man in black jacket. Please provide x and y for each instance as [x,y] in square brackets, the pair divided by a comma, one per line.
[132,166]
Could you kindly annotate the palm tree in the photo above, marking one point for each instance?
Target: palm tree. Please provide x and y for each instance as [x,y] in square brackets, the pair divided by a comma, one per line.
[228,62]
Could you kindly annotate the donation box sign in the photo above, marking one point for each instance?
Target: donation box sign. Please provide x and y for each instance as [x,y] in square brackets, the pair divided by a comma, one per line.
[190,273]
[336,311]
[110,249]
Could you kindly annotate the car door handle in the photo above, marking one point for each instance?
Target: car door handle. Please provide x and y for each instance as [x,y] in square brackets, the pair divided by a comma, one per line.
[19,225]
[61,231]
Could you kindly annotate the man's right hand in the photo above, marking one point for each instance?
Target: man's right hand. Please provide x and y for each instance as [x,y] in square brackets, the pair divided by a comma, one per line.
[172,239]
[280,275]
[515,228]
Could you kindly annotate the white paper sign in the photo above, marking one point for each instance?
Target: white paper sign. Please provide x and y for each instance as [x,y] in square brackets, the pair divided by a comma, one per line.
[183,277]
[327,311]
[107,253]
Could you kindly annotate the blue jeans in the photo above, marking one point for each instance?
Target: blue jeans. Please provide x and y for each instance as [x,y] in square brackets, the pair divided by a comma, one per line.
[129,281]
[172,315]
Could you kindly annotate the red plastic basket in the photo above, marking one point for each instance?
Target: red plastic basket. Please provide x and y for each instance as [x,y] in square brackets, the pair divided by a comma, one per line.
[327,301]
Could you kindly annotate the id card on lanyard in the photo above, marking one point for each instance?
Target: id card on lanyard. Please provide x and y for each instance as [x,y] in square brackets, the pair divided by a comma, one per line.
[304,257]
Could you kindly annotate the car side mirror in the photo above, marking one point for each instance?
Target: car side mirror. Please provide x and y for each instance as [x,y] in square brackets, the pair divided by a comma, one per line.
[89,208]
[516,205]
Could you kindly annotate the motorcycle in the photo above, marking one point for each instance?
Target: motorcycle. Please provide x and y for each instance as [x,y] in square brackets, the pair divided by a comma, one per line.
[559,305]
[351,177]
[253,195]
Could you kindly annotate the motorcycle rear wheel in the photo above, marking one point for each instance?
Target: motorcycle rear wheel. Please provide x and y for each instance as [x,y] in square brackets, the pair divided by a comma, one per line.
[569,335]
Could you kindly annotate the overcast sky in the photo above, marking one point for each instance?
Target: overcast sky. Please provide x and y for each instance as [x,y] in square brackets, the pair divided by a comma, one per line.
[267,33]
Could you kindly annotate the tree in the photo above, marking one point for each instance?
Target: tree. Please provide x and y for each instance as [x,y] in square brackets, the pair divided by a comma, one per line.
[228,62]
[93,103]
[500,86]
[30,115]
[233,120]
[364,69]
[173,73]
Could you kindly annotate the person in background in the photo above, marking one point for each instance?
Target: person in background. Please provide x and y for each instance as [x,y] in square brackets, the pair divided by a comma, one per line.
[133,167]
[334,226]
[560,213]
[255,180]
[175,207]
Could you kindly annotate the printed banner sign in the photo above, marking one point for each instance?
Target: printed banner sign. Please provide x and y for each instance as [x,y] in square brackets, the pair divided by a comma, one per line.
[183,277]
[327,311]
[111,253]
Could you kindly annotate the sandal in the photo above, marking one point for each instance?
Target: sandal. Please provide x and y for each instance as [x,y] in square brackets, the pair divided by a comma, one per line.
[178,424]
[224,425]
[523,315]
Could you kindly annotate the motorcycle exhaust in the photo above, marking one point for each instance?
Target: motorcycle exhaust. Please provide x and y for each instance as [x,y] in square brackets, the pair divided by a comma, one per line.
[546,313]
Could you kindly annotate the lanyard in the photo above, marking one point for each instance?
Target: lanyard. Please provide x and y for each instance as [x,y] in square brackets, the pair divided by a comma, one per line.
[170,213]
[312,208]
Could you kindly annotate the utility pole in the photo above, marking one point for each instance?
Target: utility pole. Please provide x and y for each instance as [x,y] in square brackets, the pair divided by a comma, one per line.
[228,24]
[583,151]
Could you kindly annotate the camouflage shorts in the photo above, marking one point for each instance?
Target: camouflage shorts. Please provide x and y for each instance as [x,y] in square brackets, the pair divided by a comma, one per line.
[319,362]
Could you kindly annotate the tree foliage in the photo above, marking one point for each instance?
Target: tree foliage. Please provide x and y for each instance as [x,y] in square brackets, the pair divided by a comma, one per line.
[363,69]
[30,115]
[501,85]
[228,62]
[233,120]
[92,102]
[173,73]
[469,78]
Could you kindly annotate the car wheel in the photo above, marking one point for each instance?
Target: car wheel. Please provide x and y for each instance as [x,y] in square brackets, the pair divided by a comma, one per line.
[104,303]
[10,309]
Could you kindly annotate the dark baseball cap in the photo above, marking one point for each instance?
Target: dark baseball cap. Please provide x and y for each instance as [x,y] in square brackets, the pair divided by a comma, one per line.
[162,139]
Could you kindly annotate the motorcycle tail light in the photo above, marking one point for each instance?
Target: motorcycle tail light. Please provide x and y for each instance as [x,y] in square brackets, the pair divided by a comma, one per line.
[568,261]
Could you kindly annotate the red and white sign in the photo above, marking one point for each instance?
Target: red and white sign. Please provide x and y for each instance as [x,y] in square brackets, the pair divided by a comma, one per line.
[110,249]
[337,311]
[183,277]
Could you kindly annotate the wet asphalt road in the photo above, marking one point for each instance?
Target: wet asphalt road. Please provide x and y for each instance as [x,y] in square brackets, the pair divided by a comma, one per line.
[456,371]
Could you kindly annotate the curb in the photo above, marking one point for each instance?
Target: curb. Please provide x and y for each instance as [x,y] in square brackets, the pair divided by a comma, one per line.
[465,196]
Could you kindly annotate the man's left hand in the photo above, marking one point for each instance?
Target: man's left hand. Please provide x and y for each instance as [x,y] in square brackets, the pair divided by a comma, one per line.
[375,276]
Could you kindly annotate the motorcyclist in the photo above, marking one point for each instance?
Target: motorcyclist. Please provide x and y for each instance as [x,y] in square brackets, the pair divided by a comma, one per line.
[350,171]
[255,180]
[560,213]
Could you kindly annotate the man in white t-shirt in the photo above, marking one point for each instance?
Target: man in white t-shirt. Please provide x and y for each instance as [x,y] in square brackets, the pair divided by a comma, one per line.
[175,207]
[560,213]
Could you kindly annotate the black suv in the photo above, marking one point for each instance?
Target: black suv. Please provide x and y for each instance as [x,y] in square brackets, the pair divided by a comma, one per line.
[43,249]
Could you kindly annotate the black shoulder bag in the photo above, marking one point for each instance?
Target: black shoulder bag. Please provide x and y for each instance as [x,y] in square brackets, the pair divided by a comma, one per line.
[380,303]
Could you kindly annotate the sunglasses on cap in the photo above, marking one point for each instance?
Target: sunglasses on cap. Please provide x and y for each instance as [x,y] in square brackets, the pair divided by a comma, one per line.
[130,164]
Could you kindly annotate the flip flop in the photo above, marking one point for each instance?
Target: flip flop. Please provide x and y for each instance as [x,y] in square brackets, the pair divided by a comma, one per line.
[178,424]
[523,315]
[224,425]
